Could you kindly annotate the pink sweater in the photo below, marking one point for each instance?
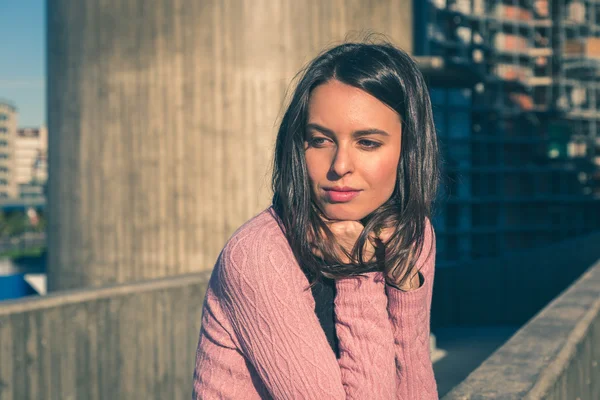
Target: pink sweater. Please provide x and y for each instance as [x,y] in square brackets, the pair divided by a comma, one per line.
[261,339]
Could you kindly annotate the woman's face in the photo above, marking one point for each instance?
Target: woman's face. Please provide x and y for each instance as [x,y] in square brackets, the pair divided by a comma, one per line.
[352,149]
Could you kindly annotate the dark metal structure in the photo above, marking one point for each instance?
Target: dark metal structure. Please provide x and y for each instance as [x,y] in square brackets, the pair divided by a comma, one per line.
[519,137]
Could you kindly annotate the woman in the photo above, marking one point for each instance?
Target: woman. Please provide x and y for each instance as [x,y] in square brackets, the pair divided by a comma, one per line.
[355,173]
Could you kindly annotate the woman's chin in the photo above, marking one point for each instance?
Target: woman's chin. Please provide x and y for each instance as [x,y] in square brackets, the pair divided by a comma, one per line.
[344,212]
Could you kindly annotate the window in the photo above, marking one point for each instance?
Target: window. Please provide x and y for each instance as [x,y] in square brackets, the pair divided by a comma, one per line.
[3,117]
[3,129]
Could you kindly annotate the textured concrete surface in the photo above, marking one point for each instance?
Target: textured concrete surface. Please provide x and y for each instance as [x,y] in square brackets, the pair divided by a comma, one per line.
[134,341]
[162,121]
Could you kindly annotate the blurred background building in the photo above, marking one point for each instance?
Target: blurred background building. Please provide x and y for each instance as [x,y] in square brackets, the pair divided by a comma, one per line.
[30,163]
[8,134]
[23,157]
[520,137]
[23,177]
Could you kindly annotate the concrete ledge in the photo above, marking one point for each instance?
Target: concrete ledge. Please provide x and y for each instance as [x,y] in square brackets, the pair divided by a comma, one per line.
[555,355]
[139,340]
[66,297]
[121,342]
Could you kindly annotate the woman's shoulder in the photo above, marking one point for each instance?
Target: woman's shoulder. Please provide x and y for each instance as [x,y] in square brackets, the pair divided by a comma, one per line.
[257,242]
[262,228]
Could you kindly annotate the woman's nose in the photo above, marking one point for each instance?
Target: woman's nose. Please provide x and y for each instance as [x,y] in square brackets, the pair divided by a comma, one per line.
[342,162]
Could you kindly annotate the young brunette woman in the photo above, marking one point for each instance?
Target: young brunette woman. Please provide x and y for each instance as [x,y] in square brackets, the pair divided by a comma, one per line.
[327,293]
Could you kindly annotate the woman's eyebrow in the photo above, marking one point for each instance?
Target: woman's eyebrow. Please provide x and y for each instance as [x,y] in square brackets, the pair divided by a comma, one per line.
[371,131]
[322,129]
[359,133]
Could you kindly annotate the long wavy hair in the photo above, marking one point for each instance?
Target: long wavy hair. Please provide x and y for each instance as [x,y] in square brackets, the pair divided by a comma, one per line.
[391,76]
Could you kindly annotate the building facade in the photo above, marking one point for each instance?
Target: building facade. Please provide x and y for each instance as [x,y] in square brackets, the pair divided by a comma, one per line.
[521,146]
[30,164]
[8,129]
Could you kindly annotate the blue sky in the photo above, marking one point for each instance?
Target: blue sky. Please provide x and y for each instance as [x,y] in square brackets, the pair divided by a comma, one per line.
[22,58]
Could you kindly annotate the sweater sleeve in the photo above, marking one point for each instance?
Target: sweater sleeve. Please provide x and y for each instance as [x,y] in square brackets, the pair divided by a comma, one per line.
[365,337]
[265,298]
[410,314]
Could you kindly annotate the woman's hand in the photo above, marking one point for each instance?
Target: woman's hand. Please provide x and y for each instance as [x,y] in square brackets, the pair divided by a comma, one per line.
[346,233]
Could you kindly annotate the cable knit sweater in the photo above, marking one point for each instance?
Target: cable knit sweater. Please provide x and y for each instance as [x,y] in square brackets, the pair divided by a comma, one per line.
[260,337]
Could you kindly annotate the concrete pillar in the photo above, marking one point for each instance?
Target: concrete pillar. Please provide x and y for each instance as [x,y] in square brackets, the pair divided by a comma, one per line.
[162,118]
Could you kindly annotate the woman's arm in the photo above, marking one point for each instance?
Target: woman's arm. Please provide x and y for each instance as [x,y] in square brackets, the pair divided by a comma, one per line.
[265,298]
[365,337]
[410,313]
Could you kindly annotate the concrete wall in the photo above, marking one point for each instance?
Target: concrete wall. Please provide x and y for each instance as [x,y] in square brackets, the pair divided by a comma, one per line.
[139,341]
[555,356]
[162,118]
[134,341]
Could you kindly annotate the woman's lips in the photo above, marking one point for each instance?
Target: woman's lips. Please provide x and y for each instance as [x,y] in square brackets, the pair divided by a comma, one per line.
[342,195]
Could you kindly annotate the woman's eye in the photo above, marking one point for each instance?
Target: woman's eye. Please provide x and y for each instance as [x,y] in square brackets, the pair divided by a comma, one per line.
[369,144]
[318,141]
